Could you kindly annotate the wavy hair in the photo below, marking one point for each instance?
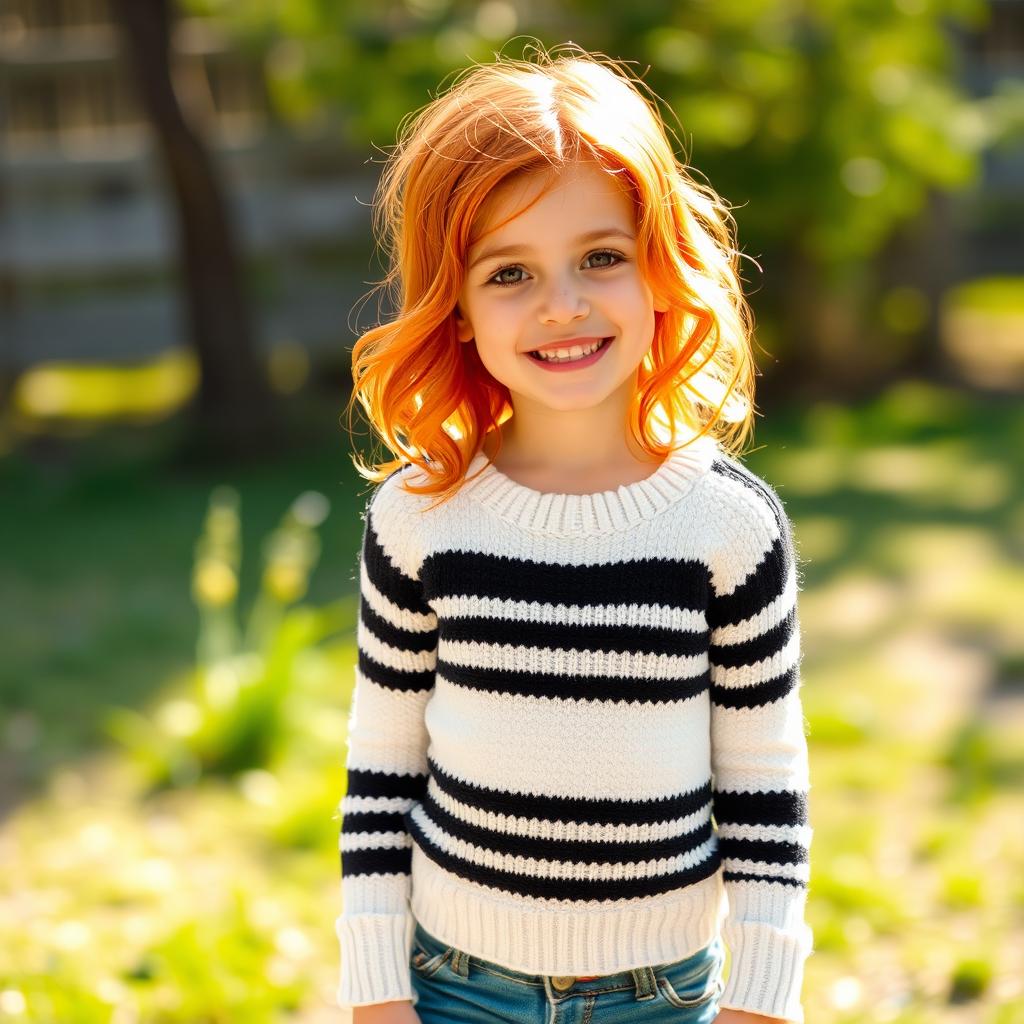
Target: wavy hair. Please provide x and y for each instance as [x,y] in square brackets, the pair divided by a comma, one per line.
[428,397]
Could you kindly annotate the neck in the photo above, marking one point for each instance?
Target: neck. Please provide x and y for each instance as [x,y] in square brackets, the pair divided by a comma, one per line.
[575,442]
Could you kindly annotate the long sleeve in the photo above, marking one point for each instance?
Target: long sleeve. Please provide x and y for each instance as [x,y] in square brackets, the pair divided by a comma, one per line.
[387,759]
[759,753]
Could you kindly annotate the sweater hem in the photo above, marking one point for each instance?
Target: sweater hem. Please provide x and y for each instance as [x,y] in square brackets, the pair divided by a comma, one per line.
[543,937]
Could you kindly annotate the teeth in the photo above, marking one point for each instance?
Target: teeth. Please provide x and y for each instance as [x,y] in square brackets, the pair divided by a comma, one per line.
[565,355]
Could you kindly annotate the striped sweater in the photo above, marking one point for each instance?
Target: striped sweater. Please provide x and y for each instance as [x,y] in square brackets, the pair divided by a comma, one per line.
[576,743]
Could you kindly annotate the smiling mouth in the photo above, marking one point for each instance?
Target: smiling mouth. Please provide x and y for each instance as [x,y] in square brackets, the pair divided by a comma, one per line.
[537,357]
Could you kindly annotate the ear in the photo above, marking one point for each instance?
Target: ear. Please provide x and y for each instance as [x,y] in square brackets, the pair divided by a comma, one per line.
[660,304]
[463,328]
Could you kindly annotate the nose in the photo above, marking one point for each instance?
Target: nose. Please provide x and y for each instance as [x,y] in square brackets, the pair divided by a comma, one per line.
[563,304]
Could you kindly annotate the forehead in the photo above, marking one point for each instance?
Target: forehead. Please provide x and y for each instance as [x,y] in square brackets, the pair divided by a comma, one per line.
[528,198]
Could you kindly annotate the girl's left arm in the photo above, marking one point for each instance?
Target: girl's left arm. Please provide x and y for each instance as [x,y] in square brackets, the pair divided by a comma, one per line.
[759,754]
[742,1017]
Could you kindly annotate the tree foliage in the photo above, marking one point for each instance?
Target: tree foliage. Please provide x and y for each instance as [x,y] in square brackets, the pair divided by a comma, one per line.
[825,126]
[824,123]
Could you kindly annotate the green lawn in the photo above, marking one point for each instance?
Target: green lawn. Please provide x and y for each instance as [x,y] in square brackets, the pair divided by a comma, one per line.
[127,899]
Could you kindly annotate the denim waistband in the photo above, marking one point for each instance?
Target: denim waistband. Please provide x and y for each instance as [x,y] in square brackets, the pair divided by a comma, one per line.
[435,946]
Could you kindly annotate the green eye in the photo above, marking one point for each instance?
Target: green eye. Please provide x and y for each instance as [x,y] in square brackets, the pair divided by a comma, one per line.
[606,258]
[500,280]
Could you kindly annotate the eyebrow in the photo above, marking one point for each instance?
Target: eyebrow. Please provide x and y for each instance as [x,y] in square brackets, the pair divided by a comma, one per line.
[517,250]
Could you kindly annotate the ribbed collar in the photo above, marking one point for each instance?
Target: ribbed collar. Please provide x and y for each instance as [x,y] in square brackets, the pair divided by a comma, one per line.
[572,515]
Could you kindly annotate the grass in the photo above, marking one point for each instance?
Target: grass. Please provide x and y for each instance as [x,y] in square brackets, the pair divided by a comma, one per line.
[212,897]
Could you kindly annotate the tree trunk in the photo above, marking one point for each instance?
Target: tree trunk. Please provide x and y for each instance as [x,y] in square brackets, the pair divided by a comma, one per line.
[236,412]
[822,341]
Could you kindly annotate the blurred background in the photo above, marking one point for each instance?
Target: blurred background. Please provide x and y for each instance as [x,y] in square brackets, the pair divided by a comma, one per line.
[185,249]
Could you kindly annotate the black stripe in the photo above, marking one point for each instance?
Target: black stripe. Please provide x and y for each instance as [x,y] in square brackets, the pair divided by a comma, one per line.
[394,678]
[574,687]
[768,851]
[761,808]
[678,583]
[366,782]
[373,821]
[744,876]
[387,861]
[593,811]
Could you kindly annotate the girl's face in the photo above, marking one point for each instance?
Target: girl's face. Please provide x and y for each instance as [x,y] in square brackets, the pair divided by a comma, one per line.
[562,273]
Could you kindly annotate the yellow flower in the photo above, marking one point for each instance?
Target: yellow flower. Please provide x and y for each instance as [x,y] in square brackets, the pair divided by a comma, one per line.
[214,583]
[286,580]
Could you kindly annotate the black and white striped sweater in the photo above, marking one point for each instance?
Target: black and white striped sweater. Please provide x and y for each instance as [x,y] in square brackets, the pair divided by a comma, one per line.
[554,694]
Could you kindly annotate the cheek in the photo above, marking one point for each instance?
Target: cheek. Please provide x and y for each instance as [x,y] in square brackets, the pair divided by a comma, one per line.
[637,316]
[496,317]
[634,299]
[495,338]
[643,290]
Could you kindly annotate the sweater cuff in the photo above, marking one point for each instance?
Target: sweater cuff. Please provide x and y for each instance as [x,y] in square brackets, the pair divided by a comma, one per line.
[767,969]
[375,952]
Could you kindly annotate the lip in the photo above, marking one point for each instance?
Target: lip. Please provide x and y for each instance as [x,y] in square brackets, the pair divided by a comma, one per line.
[579,364]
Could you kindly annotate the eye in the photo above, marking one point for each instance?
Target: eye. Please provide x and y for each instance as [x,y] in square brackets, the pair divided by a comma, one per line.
[615,259]
[605,254]
[498,277]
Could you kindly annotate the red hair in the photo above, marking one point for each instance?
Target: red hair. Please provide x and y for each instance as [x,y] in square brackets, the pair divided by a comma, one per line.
[429,397]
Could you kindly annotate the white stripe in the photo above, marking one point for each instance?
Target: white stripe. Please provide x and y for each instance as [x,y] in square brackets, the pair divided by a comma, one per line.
[779,833]
[348,842]
[384,804]
[631,616]
[558,661]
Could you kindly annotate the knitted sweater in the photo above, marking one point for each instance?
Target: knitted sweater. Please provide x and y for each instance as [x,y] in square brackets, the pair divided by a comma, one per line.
[554,694]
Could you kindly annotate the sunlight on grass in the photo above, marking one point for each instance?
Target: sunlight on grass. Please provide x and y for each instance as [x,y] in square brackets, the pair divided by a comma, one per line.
[160,905]
[146,889]
[916,762]
[943,473]
[188,871]
[982,327]
[922,661]
[954,574]
[822,538]
[854,603]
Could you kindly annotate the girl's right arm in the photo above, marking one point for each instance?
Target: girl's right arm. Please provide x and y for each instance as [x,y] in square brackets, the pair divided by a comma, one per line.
[397,1012]
[386,763]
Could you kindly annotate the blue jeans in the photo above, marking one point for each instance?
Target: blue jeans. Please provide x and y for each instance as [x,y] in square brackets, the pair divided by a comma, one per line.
[454,986]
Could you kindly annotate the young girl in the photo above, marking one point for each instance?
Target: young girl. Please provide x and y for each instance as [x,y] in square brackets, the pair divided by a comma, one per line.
[589,644]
